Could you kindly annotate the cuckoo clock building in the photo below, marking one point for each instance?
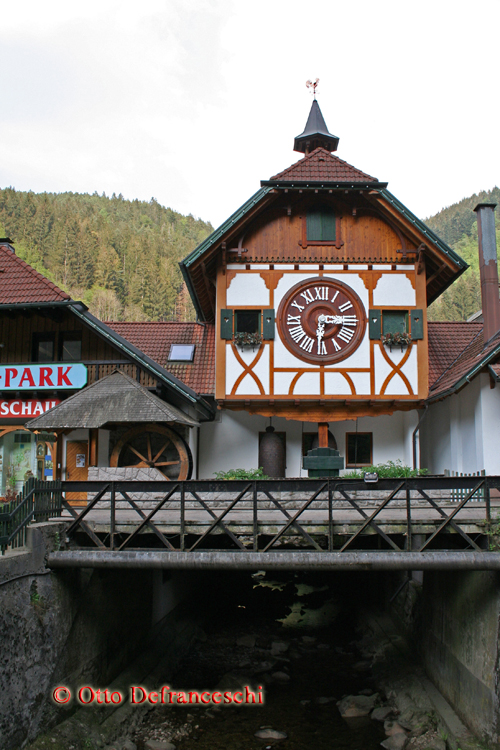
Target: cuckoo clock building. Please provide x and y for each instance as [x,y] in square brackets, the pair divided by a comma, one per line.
[318,288]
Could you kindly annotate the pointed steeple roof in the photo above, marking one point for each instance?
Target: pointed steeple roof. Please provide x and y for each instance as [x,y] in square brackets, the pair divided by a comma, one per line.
[315,133]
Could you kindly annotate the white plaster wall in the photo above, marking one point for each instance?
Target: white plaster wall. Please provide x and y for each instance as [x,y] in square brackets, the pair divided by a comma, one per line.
[394,289]
[247,289]
[234,370]
[490,398]
[396,386]
[461,433]
[232,442]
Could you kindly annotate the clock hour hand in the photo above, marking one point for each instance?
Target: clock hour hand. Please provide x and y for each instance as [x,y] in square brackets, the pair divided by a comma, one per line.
[337,319]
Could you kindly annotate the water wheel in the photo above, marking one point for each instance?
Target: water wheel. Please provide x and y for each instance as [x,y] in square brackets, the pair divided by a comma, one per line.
[154,446]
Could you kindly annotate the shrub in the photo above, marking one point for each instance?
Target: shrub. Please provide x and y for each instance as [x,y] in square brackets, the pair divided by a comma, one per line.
[386,471]
[241,474]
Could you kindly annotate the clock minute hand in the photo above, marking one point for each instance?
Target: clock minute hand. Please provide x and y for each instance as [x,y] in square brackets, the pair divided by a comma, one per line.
[320,332]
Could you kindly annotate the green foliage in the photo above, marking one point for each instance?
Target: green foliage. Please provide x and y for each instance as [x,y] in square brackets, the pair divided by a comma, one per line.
[387,471]
[457,225]
[241,474]
[120,257]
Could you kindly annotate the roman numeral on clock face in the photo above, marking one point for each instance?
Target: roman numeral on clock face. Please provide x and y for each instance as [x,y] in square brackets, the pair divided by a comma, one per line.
[293,320]
[296,304]
[307,344]
[345,334]
[350,320]
[321,347]
[345,306]
[321,292]
[297,333]
[307,296]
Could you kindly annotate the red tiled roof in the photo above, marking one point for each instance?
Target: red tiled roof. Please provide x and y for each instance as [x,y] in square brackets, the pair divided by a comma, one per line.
[455,350]
[155,339]
[322,166]
[496,370]
[20,283]
[447,340]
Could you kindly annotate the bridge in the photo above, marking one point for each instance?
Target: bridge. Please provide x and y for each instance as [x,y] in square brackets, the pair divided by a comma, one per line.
[406,523]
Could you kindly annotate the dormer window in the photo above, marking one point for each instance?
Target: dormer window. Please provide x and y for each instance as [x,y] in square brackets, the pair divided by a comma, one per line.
[181,353]
[321,225]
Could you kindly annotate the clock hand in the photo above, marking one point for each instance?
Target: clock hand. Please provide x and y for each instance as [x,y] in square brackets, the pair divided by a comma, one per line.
[320,332]
[338,319]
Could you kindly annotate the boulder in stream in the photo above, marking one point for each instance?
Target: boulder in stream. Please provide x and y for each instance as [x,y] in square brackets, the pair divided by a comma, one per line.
[270,734]
[357,705]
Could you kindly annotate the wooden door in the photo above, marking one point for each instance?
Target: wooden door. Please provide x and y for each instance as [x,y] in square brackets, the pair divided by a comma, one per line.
[77,468]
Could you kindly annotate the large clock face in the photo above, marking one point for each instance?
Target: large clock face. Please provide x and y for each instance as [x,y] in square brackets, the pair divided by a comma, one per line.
[321,320]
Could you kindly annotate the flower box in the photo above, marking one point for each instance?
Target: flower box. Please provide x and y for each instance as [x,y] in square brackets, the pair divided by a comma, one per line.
[399,340]
[246,340]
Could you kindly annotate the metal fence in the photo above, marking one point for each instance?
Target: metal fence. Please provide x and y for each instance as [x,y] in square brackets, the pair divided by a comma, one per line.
[37,501]
[319,514]
[331,514]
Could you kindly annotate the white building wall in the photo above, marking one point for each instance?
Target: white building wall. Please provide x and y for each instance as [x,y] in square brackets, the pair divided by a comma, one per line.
[462,432]
[232,442]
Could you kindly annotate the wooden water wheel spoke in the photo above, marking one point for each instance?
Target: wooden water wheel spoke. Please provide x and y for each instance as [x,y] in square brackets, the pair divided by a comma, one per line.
[166,451]
[134,450]
[155,459]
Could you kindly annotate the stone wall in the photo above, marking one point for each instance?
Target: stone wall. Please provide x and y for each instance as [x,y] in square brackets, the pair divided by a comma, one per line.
[72,628]
[460,633]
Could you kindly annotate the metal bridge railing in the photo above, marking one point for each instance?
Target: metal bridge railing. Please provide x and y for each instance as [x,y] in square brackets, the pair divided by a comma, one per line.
[328,514]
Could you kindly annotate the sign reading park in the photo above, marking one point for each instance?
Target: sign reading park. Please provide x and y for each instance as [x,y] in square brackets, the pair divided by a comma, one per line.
[42,377]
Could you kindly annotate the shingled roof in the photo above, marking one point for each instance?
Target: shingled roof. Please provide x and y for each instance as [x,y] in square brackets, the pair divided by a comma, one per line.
[155,340]
[457,353]
[117,398]
[21,284]
[322,166]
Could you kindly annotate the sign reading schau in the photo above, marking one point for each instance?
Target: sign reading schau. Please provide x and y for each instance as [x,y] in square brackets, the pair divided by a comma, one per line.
[42,377]
[29,408]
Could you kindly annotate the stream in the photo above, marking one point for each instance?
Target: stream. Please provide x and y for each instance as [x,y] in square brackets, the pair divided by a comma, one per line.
[290,634]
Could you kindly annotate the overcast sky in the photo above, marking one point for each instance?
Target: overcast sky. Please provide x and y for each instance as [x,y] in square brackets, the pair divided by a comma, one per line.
[195,101]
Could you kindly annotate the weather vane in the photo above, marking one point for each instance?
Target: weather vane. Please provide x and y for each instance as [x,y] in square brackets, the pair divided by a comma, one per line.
[313,85]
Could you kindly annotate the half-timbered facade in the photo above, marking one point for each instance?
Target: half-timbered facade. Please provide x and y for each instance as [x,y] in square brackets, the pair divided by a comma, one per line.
[318,289]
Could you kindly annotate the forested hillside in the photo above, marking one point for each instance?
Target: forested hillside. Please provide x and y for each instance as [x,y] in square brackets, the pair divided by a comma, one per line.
[457,226]
[120,257]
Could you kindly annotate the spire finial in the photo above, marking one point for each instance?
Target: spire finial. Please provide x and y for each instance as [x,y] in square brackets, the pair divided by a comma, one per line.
[315,133]
[313,85]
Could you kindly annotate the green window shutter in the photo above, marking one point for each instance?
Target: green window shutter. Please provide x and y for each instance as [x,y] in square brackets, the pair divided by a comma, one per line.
[417,324]
[314,233]
[268,325]
[321,226]
[328,226]
[226,324]
[394,321]
[375,324]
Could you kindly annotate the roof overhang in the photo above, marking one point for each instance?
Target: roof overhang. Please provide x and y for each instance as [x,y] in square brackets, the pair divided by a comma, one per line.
[117,398]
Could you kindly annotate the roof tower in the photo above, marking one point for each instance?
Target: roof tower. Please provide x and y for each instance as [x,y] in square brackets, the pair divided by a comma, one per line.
[315,134]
